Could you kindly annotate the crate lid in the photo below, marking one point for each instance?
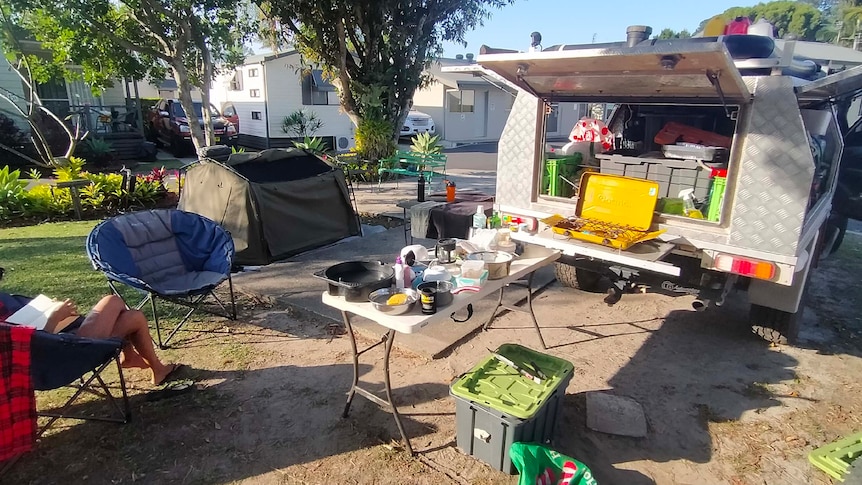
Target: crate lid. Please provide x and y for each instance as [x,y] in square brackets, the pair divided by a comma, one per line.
[499,386]
[622,201]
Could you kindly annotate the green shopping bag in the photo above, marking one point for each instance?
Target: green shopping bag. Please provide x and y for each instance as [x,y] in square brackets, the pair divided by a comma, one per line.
[539,465]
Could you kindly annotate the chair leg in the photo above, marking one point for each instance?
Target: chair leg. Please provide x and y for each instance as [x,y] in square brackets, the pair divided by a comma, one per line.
[162,345]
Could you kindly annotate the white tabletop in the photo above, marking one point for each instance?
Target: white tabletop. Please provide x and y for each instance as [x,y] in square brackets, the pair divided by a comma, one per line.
[534,257]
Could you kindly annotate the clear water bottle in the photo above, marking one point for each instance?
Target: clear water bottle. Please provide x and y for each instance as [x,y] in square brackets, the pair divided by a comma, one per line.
[479,219]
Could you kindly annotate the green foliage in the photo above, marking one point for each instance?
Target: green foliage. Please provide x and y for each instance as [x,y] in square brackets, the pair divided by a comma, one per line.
[314,145]
[34,174]
[426,144]
[376,51]
[73,170]
[301,123]
[789,17]
[374,139]
[104,195]
[234,150]
[672,34]
[12,194]
[98,152]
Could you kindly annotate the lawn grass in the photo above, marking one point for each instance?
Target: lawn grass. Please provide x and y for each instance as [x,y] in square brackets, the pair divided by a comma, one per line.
[51,259]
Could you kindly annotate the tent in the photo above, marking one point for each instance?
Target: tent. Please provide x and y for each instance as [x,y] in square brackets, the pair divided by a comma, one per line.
[274,203]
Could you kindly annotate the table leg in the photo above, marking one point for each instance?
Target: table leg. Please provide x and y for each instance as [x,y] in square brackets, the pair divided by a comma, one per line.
[407,229]
[514,308]
[390,337]
[352,392]
[356,388]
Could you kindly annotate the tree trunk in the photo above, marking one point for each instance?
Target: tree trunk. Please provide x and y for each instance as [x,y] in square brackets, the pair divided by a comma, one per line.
[209,134]
[184,86]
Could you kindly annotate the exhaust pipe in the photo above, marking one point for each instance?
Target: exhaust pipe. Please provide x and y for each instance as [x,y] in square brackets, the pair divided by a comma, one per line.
[700,305]
[635,34]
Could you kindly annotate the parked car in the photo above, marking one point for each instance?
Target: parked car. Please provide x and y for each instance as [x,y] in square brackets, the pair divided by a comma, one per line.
[168,124]
[228,110]
[417,122]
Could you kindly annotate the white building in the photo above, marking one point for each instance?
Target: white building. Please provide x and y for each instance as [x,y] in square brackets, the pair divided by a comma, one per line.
[267,88]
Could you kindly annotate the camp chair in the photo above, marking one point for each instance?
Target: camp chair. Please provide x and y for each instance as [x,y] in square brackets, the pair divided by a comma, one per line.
[66,360]
[177,256]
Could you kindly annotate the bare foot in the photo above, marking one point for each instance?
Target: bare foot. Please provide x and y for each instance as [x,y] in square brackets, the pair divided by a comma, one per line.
[161,375]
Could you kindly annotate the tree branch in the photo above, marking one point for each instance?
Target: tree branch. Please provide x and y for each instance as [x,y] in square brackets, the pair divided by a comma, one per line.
[25,157]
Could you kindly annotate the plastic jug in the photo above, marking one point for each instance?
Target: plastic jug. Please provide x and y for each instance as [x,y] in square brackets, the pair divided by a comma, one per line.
[714,27]
[761,27]
[688,207]
[738,26]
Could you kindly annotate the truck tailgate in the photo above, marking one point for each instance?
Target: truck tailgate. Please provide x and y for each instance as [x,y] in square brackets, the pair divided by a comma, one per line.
[647,255]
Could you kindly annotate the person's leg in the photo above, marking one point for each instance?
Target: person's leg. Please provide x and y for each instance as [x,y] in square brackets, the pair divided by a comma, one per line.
[110,318]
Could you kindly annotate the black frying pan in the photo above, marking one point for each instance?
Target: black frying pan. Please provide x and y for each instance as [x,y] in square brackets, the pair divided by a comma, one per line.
[355,280]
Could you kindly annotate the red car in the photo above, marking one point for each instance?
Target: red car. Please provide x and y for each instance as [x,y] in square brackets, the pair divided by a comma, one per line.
[229,112]
[168,124]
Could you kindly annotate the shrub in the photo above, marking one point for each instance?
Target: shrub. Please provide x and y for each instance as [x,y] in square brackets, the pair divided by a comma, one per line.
[301,123]
[13,199]
[374,139]
[97,152]
[426,144]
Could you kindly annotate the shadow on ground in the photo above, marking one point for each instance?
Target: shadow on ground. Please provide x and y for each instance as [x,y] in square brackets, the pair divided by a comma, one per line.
[231,426]
[696,369]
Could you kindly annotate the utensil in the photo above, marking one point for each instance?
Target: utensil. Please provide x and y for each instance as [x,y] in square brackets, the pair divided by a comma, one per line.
[496,262]
[515,366]
[445,251]
[444,295]
[355,280]
[379,297]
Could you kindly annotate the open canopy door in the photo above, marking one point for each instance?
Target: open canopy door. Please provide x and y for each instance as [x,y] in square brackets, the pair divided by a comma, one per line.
[835,87]
[668,72]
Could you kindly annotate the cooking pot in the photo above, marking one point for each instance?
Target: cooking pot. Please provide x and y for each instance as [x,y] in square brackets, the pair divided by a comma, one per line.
[496,262]
[443,288]
[355,280]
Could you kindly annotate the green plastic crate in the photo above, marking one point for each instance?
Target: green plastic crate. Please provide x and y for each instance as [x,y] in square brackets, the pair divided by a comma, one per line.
[499,386]
[835,458]
[495,406]
[555,168]
[716,198]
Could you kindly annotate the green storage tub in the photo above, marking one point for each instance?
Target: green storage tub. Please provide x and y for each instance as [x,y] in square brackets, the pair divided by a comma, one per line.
[496,406]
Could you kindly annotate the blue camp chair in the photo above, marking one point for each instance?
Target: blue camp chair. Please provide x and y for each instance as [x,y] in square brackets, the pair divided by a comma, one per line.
[173,255]
[66,360]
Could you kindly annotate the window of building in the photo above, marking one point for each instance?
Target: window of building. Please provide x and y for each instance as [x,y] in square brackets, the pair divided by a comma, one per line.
[236,81]
[255,115]
[252,72]
[254,93]
[316,89]
[461,101]
[510,101]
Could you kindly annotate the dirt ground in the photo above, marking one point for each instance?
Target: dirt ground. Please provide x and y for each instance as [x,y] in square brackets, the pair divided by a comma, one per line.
[722,407]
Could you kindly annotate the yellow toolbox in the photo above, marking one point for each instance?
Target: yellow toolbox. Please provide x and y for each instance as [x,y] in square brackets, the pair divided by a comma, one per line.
[612,210]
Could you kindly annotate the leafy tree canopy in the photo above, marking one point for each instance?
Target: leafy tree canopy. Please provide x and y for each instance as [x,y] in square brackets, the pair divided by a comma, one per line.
[375,51]
[789,17]
[108,39]
[672,34]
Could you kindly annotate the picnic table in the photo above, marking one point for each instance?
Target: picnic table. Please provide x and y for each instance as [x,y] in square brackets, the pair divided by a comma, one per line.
[521,273]
[412,164]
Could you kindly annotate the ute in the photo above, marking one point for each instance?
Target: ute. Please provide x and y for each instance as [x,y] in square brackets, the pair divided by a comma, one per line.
[735,144]
[168,125]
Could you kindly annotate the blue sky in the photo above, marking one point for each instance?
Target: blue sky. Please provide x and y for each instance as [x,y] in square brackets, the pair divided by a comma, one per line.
[575,22]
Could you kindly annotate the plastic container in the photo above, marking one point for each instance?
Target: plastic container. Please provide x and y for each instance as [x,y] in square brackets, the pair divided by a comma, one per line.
[688,206]
[463,281]
[689,152]
[761,27]
[479,218]
[496,406]
[399,274]
[716,195]
[555,168]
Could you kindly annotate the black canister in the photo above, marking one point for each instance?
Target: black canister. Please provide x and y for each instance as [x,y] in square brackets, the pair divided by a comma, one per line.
[428,299]
[420,189]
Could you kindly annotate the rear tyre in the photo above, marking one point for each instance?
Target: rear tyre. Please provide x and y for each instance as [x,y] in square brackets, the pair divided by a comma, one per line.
[775,326]
[573,277]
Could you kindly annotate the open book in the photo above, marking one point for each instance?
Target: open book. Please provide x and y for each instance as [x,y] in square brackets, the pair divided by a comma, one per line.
[36,313]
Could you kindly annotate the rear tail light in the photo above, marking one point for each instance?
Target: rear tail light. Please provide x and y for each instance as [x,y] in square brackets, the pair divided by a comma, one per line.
[745,266]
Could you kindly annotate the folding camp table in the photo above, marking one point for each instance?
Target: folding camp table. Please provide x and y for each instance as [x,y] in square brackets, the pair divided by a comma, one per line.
[521,271]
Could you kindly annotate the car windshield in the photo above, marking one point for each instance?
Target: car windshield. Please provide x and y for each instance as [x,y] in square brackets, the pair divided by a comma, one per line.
[179,112]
